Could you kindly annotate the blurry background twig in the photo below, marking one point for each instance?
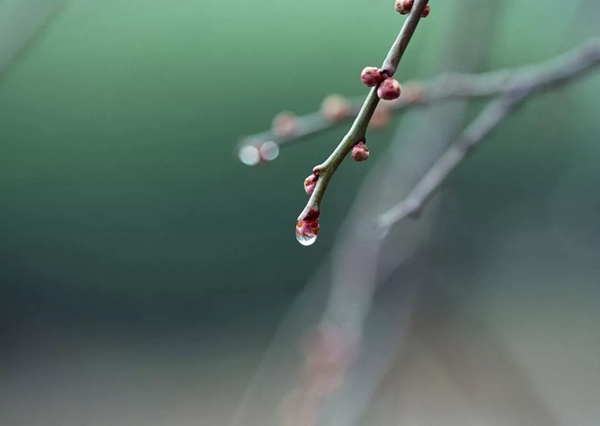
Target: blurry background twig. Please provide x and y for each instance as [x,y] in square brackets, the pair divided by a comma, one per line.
[512,88]
[21,22]
[447,86]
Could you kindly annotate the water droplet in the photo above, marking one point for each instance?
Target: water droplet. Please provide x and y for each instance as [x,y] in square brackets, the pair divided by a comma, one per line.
[269,151]
[306,232]
[249,155]
[306,240]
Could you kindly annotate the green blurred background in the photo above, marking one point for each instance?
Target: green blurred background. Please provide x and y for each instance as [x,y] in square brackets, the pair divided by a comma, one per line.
[129,231]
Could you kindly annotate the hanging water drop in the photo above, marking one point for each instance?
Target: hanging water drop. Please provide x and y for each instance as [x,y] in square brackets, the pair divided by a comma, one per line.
[307,228]
[303,237]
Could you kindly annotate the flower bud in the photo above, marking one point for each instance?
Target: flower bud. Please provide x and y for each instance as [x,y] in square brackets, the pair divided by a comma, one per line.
[403,7]
[389,89]
[371,76]
[360,152]
[310,183]
[426,11]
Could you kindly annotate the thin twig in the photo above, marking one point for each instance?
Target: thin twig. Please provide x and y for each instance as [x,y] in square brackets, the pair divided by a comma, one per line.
[512,90]
[358,130]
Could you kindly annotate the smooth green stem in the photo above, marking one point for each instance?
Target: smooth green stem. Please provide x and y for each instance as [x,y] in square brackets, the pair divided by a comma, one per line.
[390,65]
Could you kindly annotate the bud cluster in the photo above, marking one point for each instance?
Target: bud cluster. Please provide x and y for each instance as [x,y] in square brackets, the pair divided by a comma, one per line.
[403,7]
[388,90]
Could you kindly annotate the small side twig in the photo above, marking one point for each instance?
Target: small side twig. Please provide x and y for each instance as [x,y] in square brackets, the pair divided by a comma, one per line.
[512,90]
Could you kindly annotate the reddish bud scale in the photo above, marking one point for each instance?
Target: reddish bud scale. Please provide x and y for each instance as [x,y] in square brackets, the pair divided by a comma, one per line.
[389,89]
[313,226]
[360,152]
[426,11]
[312,215]
[308,228]
[403,7]
[371,76]
[310,183]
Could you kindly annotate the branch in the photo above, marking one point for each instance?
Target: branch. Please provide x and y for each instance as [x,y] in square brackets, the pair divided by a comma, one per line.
[443,88]
[307,225]
[511,90]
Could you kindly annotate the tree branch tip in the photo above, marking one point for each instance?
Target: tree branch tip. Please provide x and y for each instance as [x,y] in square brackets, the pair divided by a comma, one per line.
[507,89]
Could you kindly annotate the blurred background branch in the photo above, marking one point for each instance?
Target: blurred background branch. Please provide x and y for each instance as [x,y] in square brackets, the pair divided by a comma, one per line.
[21,22]
[446,86]
[512,88]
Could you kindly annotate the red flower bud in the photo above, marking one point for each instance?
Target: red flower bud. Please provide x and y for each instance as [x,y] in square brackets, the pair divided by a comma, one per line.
[310,183]
[371,76]
[389,89]
[360,152]
[403,7]
[426,11]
